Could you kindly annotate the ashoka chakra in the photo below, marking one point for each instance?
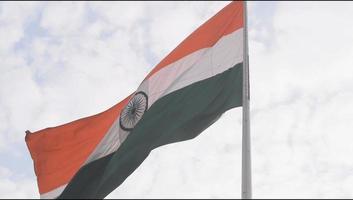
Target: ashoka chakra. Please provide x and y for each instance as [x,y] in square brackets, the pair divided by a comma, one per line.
[133,111]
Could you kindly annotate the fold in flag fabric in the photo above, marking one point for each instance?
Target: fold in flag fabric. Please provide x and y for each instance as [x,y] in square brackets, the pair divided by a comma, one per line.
[182,96]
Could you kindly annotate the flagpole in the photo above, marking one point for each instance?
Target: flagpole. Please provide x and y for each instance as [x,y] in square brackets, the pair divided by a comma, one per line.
[246,190]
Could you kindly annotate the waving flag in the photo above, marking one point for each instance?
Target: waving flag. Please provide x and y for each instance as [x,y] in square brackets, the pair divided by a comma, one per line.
[182,96]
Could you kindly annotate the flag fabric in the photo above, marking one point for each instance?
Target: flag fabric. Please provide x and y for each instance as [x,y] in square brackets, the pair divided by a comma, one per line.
[182,96]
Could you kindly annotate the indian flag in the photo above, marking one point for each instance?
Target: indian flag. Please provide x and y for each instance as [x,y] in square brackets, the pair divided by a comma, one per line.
[182,96]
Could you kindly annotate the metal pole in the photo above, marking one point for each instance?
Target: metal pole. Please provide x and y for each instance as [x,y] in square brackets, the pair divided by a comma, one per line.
[246,192]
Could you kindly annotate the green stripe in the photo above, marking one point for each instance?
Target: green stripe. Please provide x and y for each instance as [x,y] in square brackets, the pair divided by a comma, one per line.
[179,116]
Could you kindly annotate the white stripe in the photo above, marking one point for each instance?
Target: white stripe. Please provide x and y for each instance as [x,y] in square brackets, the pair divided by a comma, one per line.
[110,142]
[197,66]
[54,193]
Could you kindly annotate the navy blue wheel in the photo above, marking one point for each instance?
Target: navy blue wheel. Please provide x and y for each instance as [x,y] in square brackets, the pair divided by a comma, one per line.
[133,111]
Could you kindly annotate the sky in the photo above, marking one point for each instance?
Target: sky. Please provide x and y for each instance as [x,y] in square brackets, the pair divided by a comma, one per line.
[61,61]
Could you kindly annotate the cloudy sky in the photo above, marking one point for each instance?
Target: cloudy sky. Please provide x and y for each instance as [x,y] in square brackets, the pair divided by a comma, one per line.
[64,61]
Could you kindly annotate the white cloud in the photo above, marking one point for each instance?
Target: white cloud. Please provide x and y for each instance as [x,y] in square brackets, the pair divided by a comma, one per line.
[301,99]
[21,188]
[12,21]
[64,18]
